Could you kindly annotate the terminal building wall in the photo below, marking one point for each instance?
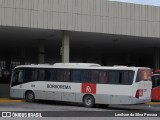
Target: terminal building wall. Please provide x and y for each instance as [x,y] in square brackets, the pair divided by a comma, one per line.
[96,16]
[101,16]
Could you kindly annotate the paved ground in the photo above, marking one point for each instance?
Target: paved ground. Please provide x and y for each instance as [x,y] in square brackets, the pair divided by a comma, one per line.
[58,109]
[60,106]
[21,105]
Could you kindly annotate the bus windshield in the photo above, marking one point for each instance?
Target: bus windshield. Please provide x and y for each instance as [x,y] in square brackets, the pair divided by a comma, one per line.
[144,75]
[155,81]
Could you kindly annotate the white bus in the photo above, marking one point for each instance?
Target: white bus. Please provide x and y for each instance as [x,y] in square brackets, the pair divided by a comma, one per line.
[85,83]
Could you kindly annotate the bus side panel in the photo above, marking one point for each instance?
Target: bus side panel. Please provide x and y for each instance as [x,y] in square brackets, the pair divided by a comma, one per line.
[40,94]
[138,101]
[69,96]
[79,97]
[120,99]
[16,93]
[54,95]
[102,99]
[108,99]
[99,98]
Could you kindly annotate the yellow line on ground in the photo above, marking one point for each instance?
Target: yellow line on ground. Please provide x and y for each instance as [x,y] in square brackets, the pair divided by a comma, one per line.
[153,103]
[10,100]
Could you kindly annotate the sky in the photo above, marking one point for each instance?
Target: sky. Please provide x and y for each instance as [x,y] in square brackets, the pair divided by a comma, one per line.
[146,2]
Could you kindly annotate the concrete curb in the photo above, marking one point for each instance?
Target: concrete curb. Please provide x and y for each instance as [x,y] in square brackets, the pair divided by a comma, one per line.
[10,100]
[153,103]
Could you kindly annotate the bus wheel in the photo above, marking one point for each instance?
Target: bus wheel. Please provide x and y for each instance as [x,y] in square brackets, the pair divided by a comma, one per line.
[88,101]
[29,96]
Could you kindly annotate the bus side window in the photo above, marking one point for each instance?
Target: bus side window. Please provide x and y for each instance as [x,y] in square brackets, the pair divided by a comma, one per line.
[50,75]
[112,77]
[31,75]
[41,75]
[124,77]
[103,78]
[94,76]
[66,76]
[47,75]
[84,76]
[76,76]
[53,75]
[131,75]
[59,75]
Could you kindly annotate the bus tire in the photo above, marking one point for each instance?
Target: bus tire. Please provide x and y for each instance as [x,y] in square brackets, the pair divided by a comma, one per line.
[29,96]
[88,101]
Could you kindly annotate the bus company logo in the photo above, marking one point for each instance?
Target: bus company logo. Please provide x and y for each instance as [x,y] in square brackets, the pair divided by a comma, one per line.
[88,88]
[58,86]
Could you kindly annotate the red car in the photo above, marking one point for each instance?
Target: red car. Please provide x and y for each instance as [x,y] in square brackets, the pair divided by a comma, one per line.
[155,95]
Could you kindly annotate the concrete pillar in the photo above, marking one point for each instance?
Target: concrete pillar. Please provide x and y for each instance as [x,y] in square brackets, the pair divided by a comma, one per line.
[65,47]
[156,58]
[41,52]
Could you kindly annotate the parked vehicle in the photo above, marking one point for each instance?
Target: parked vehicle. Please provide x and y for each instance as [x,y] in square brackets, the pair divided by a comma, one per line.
[155,94]
[85,83]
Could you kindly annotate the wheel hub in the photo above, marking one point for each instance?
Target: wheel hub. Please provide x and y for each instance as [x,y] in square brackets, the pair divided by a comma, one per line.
[30,96]
[89,101]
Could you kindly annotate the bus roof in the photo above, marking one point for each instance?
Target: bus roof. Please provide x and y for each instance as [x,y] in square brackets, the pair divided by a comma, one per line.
[78,65]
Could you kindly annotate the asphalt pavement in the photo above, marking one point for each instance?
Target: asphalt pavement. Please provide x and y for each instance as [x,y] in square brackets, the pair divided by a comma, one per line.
[69,111]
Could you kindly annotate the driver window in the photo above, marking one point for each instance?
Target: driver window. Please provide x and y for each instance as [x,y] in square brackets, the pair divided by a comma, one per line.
[18,76]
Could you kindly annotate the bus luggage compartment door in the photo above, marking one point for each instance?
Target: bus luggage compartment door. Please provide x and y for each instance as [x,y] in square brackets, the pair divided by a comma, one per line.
[69,96]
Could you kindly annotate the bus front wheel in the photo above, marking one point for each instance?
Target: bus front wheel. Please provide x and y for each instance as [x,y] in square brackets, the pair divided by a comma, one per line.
[88,101]
[29,96]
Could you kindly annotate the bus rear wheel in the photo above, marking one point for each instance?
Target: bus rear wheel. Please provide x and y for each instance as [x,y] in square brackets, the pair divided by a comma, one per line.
[29,96]
[88,101]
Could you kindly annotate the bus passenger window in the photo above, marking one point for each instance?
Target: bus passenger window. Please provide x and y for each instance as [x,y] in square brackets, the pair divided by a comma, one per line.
[76,76]
[94,76]
[52,75]
[125,77]
[131,75]
[66,76]
[47,75]
[41,75]
[85,76]
[103,78]
[59,75]
[30,75]
[111,77]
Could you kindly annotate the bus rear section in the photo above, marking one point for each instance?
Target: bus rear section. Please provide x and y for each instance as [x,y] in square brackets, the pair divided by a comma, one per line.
[155,95]
[143,86]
